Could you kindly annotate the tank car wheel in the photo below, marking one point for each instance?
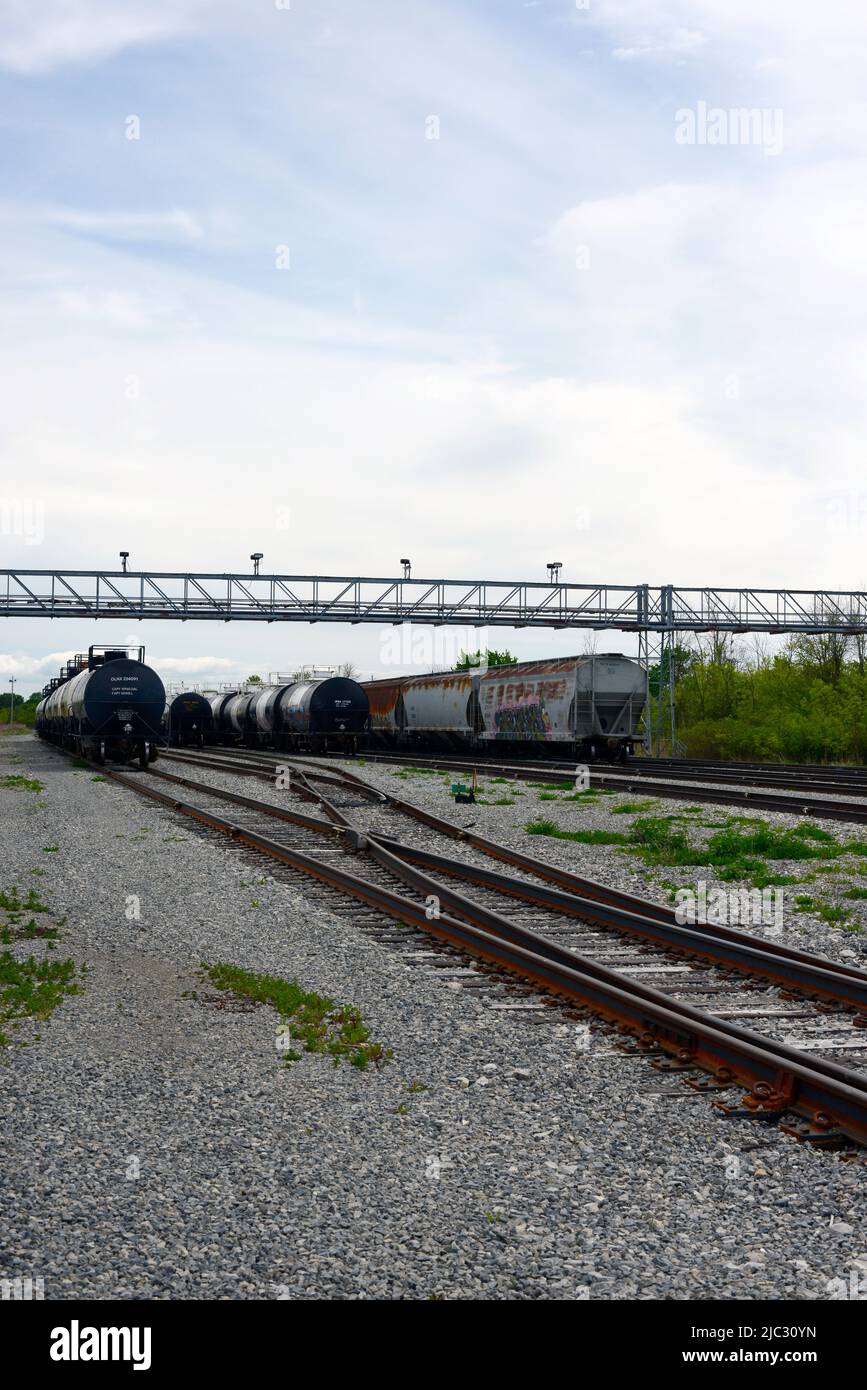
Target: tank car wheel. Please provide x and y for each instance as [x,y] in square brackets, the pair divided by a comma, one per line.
[143,758]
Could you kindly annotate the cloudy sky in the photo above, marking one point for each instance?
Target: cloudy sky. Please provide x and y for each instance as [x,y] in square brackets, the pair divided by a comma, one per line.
[485,283]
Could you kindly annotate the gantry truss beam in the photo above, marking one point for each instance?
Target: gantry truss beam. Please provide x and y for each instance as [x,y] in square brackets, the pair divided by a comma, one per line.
[316,599]
[269,598]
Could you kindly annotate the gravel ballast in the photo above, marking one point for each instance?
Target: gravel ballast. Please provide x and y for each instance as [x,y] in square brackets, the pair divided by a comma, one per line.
[155,1146]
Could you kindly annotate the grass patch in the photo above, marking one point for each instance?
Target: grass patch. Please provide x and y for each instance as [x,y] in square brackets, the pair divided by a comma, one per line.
[315,1021]
[32,989]
[29,931]
[829,912]
[15,909]
[855,893]
[833,913]
[568,785]
[15,906]
[584,837]
[629,808]
[12,782]
[733,853]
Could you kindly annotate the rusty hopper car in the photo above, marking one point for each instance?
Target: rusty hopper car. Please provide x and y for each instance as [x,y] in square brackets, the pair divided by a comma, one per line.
[108,704]
[591,703]
[442,708]
[588,705]
[385,701]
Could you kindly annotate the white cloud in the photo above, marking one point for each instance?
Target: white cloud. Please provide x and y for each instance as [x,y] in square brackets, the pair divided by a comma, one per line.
[37,36]
[20,664]
[437,377]
[39,668]
[657,23]
[113,306]
[176,225]
[191,665]
[764,277]
[676,43]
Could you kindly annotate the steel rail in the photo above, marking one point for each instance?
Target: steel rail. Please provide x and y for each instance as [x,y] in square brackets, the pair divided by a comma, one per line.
[749,955]
[390,854]
[778,1078]
[807,975]
[831,1101]
[577,887]
[762,801]
[500,926]
[644,768]
[781,781]
[581,887]
[835,770]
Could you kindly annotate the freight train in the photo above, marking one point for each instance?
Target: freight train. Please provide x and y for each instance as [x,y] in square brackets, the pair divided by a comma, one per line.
[107,704]
[319,716]
[586,706]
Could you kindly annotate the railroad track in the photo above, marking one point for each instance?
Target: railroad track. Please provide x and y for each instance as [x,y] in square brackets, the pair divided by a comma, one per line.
[835,772]
[670,991]
[814,783]
[822,808]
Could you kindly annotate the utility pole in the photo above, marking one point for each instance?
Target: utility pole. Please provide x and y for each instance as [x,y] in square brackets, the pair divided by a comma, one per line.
[12,702]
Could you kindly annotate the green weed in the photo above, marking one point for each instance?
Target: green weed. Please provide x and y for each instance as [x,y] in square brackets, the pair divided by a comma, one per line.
[12,782]
[312,1019]
[732,853]
[32,989]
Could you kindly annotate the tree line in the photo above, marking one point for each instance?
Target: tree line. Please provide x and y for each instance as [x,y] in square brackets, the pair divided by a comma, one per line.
[806,703]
